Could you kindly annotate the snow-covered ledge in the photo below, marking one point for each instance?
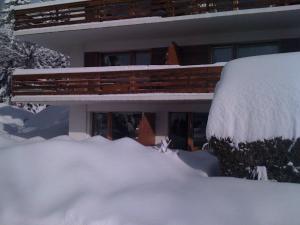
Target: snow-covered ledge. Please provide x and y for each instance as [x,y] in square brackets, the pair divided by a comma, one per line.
[107,69]
[83,99]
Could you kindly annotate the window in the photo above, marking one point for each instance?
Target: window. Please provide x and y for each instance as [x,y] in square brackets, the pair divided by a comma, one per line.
[222,54]
[178,130]
[125,125]
[258,49]
[227,53]
[116,59]
[142,58]
[199,129]
[100,124]
[126,58]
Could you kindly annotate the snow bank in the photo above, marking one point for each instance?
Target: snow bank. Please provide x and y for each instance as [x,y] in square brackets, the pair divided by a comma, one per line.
[257,98]
[101,182]
[97,182]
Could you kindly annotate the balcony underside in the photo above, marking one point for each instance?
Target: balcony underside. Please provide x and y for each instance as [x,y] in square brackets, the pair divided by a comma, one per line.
[117,85]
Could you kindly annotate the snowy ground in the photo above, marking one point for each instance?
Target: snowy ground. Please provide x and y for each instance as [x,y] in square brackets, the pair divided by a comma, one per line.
[60,181]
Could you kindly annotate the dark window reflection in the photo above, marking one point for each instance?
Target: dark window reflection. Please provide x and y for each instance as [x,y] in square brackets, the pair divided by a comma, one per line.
[100,125]
[178,130]
[116,59]
[222,54]
[253,50]
[127,58]
[143,58]
[125,125]
[199,129]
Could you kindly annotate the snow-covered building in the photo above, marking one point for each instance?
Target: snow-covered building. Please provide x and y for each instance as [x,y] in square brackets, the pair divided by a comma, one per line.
[146,68]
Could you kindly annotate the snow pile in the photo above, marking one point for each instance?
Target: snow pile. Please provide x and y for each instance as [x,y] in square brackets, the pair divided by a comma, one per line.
[257,98]
[19,123]
[97,182]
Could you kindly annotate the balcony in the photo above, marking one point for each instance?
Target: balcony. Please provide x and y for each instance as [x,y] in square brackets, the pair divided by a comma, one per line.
[77,12]
[116,80]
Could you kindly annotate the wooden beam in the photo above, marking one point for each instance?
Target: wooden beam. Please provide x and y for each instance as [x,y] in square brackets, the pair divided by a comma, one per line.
[190,141]
[173,55]
[146,132]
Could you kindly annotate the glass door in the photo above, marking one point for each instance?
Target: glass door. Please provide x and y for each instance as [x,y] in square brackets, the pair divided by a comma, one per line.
[178,130]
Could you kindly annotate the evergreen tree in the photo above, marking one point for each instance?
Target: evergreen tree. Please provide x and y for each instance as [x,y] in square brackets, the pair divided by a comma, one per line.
[16,54]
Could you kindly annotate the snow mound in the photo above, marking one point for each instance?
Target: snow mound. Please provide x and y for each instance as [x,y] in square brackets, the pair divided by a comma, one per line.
[101,182]
[257,98]
[97,182]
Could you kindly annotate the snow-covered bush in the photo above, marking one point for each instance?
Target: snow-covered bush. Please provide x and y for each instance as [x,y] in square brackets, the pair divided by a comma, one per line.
[279,156]
[255,117]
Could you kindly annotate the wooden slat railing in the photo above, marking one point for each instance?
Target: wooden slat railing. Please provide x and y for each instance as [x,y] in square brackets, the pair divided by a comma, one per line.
[104,10]
[179,80]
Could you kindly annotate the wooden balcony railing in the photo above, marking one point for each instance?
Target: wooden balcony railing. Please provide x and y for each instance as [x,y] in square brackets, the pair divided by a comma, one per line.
[173,80]
[104,10]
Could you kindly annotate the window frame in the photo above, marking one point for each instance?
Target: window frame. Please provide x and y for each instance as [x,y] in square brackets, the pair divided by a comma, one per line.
[132,55]
[237,45]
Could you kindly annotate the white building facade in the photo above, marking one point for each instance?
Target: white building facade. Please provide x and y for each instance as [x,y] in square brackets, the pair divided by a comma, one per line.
[146,69]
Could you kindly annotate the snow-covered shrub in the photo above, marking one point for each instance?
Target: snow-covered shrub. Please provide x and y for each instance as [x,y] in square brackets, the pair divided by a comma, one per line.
[281,157]
[255,117]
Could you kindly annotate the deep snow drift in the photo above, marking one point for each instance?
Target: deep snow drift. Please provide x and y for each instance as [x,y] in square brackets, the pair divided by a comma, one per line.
[257,98]
[100,182]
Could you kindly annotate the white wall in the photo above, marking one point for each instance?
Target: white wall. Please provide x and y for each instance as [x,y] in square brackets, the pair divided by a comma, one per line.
[78,122]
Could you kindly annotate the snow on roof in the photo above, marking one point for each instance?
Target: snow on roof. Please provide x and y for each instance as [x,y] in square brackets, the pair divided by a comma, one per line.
[106,69]
[257,98]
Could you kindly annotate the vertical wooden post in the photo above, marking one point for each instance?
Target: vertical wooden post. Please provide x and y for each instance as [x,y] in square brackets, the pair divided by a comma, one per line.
[146,135]
[173,55]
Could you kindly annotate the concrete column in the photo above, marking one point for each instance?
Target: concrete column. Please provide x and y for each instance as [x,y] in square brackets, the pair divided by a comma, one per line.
[161,126]
[78,122]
